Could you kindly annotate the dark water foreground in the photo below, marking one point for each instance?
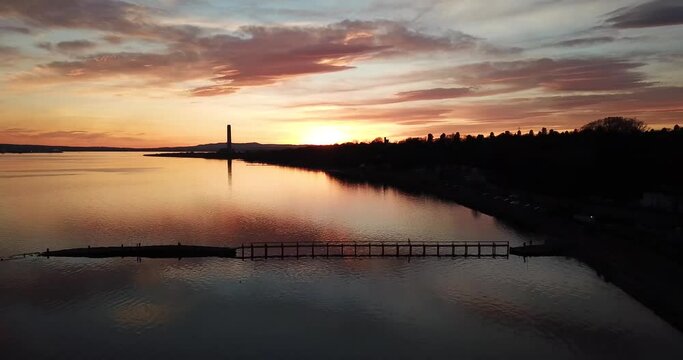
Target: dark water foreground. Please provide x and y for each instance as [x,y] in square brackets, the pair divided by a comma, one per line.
[84,308]
[637,261]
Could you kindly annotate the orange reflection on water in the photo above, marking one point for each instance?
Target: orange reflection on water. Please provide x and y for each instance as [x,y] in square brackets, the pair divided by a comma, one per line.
[79,199]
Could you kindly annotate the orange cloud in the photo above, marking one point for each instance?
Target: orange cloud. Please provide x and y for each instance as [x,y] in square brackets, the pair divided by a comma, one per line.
[253,56]
[71,137]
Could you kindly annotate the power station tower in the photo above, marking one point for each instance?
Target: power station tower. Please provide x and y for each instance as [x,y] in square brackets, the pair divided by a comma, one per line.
[228,144]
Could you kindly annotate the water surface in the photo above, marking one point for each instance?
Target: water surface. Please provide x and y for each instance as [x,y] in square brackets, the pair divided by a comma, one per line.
[309,308]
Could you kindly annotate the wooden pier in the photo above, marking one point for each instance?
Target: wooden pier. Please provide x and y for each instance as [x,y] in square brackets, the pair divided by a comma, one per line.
[264,250]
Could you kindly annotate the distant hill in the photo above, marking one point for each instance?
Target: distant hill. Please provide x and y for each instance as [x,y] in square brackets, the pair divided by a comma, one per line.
[252,146]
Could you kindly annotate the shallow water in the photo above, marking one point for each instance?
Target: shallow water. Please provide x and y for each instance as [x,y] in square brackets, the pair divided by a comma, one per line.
[306,308]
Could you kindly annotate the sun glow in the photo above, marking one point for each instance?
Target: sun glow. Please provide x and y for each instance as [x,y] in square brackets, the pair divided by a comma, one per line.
[324,135]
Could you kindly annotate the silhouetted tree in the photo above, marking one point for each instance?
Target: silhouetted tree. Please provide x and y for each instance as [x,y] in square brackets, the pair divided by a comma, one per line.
[615,124]
[442,137]
[571,163]
[544,131]
[430,138]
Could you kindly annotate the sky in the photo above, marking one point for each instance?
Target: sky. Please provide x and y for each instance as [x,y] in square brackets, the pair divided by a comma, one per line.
[175,72]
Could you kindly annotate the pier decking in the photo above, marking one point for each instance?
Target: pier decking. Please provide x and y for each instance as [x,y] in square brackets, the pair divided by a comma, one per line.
[263,250]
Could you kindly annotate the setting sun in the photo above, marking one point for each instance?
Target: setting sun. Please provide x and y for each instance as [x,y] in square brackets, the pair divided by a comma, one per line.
[324,135]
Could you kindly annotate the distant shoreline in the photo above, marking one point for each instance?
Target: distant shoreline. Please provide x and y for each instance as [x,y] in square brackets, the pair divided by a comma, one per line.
[204,148]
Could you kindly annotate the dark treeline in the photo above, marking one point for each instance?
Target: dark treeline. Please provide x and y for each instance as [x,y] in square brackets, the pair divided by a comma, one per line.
[614,158]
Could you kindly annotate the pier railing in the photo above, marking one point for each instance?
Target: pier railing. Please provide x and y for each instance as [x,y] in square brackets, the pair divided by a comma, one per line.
[263,250]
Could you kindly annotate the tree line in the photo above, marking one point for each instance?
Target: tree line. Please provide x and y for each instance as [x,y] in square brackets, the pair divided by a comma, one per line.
[614,157]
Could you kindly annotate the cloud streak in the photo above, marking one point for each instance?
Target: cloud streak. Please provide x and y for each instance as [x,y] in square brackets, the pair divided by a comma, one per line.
[587,41]
[652,14]
[106,15]
[75,45]
[70,137]
[597,74]
[14,29]
[257,55]
[9,54]
[494,78]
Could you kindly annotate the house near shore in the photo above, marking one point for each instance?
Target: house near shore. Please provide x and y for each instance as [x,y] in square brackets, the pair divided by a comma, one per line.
[664,202]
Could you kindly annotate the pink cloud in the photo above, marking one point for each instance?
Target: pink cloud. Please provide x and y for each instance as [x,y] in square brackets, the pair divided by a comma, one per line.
[70,137]
[252,56]
[561,74]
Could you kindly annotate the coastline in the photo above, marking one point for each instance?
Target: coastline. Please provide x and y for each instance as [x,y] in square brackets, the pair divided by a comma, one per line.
[628,259]
[632,265]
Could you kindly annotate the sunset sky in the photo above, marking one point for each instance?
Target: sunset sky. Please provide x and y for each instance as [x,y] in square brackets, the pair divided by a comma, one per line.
[174,72]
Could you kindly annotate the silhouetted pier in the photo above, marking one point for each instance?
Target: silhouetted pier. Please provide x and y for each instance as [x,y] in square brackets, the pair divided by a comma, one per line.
[263,250]
[139,251]
[312,249]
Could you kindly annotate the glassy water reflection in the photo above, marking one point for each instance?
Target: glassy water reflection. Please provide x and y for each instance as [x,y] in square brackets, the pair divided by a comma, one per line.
[311,308]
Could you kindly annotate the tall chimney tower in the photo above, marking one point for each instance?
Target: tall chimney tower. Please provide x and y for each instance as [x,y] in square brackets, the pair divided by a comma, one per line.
[228,144]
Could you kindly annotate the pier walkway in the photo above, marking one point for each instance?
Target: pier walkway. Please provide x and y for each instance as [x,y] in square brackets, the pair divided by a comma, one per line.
[263,250]
[312,249]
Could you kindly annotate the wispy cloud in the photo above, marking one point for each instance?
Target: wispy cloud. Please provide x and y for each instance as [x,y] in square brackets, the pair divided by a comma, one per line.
[67,137]
[76,45]
[258,55]
[586,41]
[593,74]
[14,29]
[652,14]
[9,54]
[106,15]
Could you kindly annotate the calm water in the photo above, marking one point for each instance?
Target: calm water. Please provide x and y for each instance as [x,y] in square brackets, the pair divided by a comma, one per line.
[309,308]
